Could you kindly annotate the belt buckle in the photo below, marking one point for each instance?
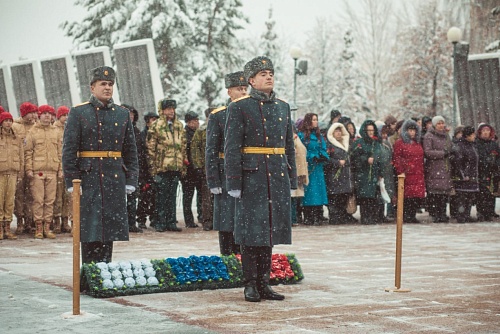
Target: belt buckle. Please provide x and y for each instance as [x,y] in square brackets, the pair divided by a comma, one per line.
[275,150]
[109,154]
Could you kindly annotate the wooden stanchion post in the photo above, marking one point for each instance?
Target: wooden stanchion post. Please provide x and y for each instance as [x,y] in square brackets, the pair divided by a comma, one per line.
[399,236]
[76,246]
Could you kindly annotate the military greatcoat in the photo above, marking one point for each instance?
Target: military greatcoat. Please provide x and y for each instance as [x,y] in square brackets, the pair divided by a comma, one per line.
[224,204]
[263,212]
[94,127]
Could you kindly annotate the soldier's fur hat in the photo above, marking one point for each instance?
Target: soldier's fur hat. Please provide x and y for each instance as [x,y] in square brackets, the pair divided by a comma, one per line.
[254,66]
[102,73]
[166,103]
[150,115]
[235,79]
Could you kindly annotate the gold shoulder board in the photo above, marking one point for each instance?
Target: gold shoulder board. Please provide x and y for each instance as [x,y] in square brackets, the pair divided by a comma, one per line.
[81,104]
[241,98]
[218,109]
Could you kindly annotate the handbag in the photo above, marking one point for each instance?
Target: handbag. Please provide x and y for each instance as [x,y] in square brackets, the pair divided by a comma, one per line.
[352,207]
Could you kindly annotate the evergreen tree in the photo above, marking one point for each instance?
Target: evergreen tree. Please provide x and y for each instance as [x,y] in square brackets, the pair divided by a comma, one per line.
[426,74]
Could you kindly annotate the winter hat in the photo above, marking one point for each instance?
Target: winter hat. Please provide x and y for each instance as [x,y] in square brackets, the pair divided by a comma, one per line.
[235,79]
[102,73]
[5,115]
[390,120]
[335,113]
[190,116]
[254,66]
[27,108]
[61,111]
[298,122]
[457,130]
[468,130]
[166,103]
[436,120]
[46,108]
[133,111]
[150,115]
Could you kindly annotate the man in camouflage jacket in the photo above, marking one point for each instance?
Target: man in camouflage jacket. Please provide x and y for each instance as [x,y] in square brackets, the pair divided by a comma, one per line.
[166,144]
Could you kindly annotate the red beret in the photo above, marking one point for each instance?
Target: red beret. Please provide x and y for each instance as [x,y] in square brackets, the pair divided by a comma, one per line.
[46,108]
[5,115]
[61,111]
[27,108]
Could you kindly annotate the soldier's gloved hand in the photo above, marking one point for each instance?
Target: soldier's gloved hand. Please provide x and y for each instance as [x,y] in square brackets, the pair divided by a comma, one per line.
[129,189]
[235,193]
[216,191]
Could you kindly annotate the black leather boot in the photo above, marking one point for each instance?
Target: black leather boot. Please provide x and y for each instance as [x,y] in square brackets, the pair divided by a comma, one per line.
[251,293]
[267,293]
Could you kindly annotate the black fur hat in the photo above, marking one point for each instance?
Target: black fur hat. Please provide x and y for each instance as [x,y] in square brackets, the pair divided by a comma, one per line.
[254,66]
[102,73]
[235,79]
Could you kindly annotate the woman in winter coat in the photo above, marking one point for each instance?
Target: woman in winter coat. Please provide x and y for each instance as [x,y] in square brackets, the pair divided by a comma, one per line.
[408,159]
[387,172]
[437,147]
[465,174]
[338,176]
[457,134]
[489,163]
[302,178]
[365,162]
[315,192]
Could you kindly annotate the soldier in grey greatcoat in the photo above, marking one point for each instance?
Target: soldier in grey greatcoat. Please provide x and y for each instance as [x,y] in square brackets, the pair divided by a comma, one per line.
[214,162]
[99,149]
[260,169]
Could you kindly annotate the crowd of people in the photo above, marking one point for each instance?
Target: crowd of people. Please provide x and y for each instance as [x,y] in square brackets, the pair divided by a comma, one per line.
[255,172]
[345,168]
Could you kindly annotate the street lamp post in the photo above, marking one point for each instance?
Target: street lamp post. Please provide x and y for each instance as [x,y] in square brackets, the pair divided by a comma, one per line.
[296,53]
[454,36]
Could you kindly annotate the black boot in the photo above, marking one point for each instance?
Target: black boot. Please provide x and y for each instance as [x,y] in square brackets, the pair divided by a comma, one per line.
[265,290]
[250,273]
[308,215]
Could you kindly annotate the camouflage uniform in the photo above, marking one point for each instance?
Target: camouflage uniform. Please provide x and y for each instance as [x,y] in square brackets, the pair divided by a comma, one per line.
[23,207]
[166,144]
[11,171]
[42,155]
[63,198]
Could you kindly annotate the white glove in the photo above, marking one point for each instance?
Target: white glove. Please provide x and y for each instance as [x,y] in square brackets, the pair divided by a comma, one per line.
[70,190]
[235,193]
[216,191]
[129,189]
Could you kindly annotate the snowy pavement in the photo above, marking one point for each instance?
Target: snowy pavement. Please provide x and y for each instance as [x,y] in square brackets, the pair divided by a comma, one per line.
[452,270]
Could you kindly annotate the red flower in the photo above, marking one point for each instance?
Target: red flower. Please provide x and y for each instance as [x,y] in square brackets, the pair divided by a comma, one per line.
[40,174]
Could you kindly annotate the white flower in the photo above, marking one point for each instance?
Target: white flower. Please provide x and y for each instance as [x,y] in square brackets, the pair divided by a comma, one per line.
[113,266]
[153,281]
[146,263]
[150,272]
[124,265]
[127,273]
[116,274]
[105,274]
[136,264]
[118,283]
[138,273]
[129,282]
[141,281]
[107,284]
[102,265]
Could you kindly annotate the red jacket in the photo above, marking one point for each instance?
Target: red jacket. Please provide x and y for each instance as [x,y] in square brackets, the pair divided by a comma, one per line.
[408,158]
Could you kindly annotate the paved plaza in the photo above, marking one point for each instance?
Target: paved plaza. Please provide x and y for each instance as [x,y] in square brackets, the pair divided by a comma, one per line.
[452,270]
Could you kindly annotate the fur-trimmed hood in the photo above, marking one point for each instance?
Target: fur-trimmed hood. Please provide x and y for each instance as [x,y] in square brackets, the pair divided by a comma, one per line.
[404,131]
[345,136]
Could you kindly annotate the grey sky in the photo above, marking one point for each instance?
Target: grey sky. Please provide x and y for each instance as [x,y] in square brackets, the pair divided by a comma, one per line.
[29,29]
